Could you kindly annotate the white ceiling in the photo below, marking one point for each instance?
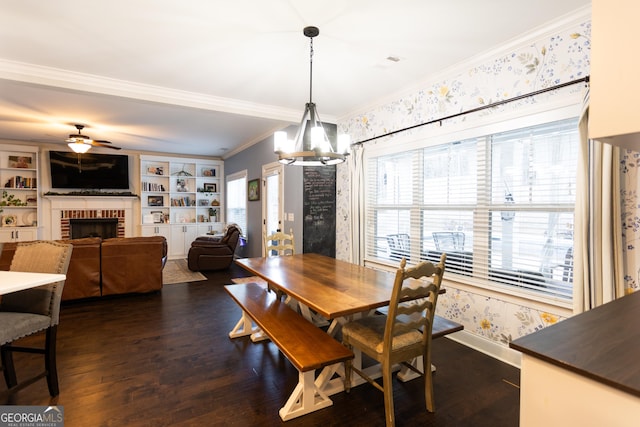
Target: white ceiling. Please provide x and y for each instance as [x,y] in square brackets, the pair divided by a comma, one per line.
[206,77]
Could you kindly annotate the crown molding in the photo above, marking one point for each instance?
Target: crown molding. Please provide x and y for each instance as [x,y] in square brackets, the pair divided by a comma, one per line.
[72,80]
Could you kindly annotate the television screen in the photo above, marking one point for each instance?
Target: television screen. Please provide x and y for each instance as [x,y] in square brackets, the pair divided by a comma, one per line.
[89,170]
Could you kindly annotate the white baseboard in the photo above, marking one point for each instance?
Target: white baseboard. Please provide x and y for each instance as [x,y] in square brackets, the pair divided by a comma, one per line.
[490,348]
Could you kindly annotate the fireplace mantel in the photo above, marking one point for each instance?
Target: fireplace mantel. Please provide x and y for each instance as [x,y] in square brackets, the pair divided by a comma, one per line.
[88,206]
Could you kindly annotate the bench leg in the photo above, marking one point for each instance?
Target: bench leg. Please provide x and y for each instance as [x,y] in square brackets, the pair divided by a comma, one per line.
[306,398]
[244,327]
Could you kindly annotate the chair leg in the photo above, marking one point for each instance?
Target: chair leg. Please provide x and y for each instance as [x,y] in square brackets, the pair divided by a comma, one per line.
[387,384]
[8,368]
[347,375]
[50,361]
[428,389]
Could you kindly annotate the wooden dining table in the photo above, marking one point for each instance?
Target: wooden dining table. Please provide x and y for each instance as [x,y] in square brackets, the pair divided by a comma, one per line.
[332,288]
[14,281]
[336,290]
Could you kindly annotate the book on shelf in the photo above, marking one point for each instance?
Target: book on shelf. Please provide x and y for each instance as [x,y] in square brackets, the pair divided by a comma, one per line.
[21,182]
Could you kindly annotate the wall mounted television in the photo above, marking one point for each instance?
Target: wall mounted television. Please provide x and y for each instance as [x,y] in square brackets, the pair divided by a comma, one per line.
[89,171]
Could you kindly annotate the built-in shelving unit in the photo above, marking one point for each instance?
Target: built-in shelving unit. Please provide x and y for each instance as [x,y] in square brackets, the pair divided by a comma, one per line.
[19,193]
[180,199]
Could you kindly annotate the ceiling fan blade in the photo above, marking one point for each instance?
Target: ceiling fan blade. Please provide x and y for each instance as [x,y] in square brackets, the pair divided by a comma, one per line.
[98,144]
[102,141]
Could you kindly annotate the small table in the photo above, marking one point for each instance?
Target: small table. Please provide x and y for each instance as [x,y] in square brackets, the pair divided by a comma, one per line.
[13,281]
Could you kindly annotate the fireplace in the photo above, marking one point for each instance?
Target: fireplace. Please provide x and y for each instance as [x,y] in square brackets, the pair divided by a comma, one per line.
[93,227]
[65,208]
[105,223]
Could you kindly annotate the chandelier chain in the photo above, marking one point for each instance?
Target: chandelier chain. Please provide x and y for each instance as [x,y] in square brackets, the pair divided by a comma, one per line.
[311,70]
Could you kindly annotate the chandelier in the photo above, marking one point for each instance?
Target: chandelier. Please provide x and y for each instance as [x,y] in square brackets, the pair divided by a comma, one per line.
[312,147]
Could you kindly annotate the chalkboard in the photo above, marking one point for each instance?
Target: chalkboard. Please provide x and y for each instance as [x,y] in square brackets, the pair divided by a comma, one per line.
[319,210]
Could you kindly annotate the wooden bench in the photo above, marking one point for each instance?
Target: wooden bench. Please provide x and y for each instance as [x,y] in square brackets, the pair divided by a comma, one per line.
[306,346]
[442,327]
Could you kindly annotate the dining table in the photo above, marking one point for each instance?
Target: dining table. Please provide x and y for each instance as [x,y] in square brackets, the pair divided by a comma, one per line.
[14,281]
[333,289]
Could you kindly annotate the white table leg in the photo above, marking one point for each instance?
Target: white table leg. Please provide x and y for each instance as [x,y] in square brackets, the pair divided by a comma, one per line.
[307,397]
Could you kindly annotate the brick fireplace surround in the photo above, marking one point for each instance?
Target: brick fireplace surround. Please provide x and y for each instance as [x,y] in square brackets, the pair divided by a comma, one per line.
[66,215]
[65,208]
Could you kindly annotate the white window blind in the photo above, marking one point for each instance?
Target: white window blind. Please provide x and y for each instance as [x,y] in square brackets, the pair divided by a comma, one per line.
[500,206]
[237,199]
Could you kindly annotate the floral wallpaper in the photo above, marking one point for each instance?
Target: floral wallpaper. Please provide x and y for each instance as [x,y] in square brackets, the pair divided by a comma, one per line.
[630,183]
[560,56]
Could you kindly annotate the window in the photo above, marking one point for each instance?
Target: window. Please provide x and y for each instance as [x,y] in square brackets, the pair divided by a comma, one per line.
[500,205]
[237,199]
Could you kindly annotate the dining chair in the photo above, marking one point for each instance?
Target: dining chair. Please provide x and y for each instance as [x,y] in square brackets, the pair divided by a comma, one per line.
[448,240]
[283,244]
[279,243]
[403,334]
[30,311]
[399,246]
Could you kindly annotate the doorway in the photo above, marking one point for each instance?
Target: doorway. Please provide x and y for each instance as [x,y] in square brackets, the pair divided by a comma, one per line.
[272,200]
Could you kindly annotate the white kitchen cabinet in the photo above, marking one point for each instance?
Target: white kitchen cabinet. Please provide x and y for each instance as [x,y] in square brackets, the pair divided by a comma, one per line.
[614,89]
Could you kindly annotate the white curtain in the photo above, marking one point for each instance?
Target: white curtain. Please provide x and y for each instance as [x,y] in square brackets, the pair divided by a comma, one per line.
[356,173]
[598,267]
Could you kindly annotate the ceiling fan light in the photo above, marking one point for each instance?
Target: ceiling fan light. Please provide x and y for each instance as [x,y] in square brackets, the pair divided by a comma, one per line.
[79,147]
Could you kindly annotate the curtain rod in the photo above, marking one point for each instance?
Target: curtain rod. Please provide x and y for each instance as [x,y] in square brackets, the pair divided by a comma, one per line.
[475,110]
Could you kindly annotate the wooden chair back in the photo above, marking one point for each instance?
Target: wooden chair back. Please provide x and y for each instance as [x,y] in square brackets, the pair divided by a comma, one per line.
[279,243]
[412,307]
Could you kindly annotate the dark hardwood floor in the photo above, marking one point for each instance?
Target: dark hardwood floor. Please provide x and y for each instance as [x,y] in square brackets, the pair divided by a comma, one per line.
[165,359]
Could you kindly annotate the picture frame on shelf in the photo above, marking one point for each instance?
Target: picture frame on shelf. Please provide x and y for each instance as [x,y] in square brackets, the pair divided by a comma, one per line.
[9,221]
[210,187]
[208,172]
[253,190]
[203,202]
[155,201]
[155,170]
[158,217]
[181,186]
[21,162]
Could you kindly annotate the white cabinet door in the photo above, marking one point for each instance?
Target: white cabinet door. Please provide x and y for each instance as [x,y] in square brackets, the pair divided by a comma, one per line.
[211,228]
[157,230]
[181,238]
[18,234]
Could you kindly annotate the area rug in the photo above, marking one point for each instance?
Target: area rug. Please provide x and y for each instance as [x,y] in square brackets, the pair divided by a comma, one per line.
[176,271]
[250,279]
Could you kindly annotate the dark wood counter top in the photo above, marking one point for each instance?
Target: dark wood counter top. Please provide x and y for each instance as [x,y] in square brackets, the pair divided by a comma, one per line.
[602,344]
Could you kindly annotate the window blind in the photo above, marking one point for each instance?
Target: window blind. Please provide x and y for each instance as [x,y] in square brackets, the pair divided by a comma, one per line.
[237,200]
[500,206]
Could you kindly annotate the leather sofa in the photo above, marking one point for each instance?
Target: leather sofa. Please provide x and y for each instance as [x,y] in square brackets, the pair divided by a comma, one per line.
[108,267]
[213,253]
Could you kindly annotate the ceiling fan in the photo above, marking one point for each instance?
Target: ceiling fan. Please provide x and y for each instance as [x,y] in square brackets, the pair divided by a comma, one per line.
[80,143]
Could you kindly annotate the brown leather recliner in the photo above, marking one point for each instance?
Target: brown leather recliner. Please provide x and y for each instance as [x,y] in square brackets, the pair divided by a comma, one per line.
[214,253]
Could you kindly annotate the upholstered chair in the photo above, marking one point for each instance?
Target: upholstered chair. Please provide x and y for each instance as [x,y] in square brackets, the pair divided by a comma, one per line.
[30,311]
